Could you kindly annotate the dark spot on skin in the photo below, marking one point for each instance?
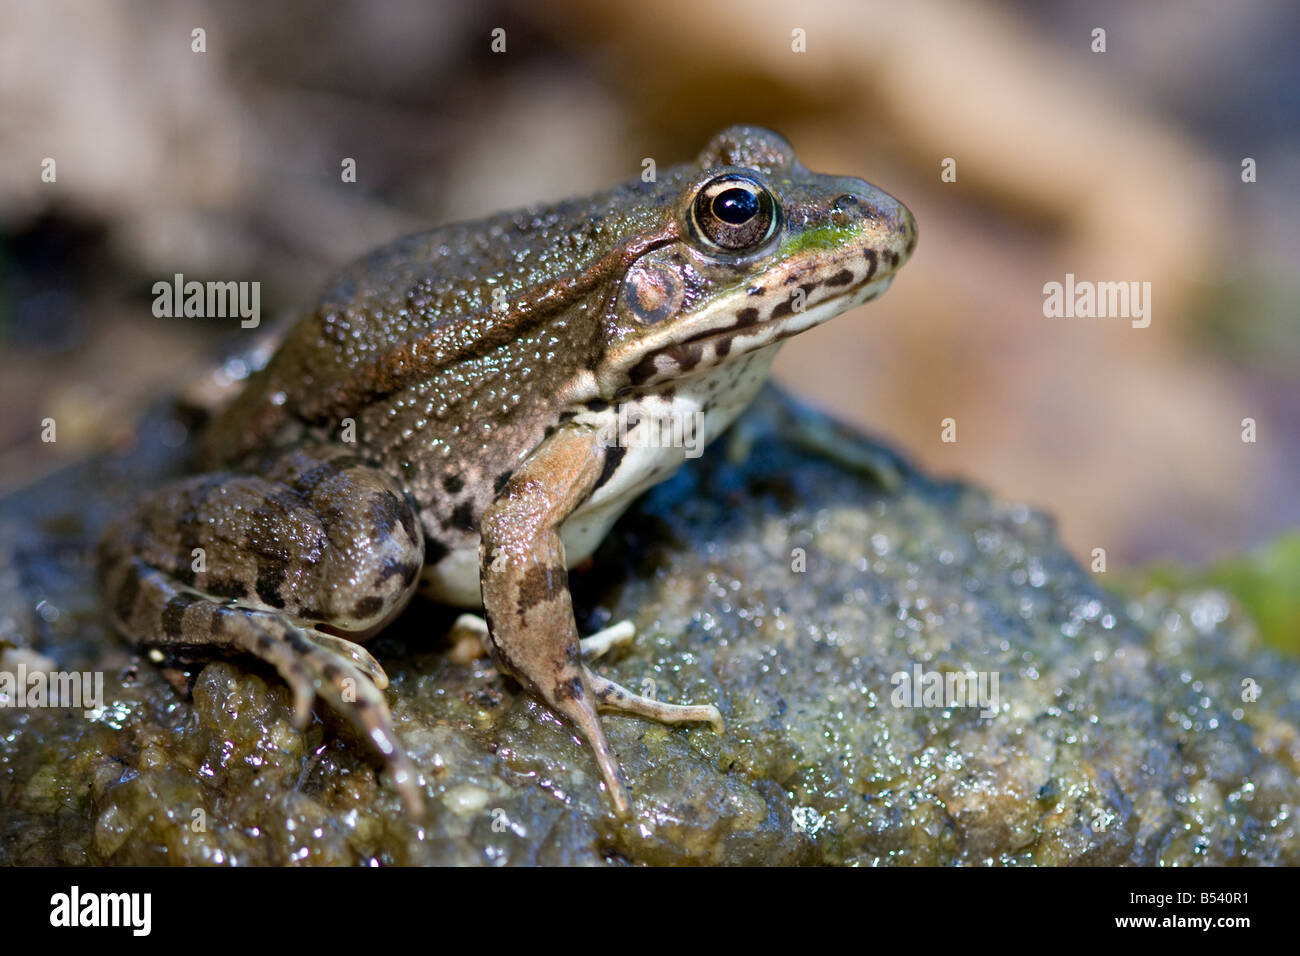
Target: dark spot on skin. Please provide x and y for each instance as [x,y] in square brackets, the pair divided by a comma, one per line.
[298,642]
[406,515]
[286,500]
[127,593]
[332,672]
[539,584]
[754,290]
[309,480]
[613,455]
[570,689]
[500,481]
[368,607]
[550,430]
[911,244]
[640,372]
[192,525]
[686,356]
[270,575]
[217,624]
[722,348]
[462,516]
[784,308]
[791,280]
[843,277]
[227,589]
[597,405]
[894,258]
[173,615]
[383,515]
[567,416]
[434,550]
[746,317]
[264,643]
[453,484]
[391,567]
[873,263]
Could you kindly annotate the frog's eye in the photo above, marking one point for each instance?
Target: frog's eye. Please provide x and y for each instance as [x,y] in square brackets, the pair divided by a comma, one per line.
[734,213]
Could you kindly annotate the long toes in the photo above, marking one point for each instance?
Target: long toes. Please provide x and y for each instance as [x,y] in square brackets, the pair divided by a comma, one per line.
[624,632]
[404,777]
[580,711]
[351,695]
[302,684]
[614,696]
[304,695]
[354,652]
[606,763]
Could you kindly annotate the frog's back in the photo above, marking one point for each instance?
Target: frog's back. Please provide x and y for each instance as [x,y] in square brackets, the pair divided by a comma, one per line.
[452,272]
[442,299]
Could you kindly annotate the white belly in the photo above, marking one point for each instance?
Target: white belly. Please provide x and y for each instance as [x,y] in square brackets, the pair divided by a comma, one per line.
[656,435]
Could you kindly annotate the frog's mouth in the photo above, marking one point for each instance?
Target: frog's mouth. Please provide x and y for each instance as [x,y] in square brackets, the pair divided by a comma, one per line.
[740,325]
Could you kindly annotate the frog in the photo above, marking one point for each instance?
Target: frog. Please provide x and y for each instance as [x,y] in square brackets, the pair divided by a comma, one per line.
[466,412]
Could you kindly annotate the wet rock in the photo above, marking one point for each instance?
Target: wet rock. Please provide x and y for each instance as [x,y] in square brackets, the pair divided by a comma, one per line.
[791,589]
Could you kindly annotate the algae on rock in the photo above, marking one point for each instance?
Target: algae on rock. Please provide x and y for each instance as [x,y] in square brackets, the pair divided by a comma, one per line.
[788,589]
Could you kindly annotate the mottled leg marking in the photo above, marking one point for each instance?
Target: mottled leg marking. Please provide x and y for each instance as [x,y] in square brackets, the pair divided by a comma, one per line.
[526,595]
[311,539]
[312,664]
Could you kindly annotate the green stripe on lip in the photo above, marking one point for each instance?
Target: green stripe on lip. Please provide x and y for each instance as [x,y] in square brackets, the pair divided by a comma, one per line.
[829,236]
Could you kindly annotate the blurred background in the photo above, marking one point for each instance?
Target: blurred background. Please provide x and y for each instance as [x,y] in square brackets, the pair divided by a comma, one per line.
[1116,166]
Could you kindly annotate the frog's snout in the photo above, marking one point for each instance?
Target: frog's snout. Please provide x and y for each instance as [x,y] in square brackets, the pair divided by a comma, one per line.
[905,230]
[888,227]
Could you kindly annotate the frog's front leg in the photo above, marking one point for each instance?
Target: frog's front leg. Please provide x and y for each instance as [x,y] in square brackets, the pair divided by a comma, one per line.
[279,563]
[526,600]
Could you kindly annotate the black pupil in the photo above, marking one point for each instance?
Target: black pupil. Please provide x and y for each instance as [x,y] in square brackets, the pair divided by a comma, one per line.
[735,206]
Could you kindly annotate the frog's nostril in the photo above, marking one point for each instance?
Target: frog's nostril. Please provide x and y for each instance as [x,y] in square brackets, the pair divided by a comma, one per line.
[849,209]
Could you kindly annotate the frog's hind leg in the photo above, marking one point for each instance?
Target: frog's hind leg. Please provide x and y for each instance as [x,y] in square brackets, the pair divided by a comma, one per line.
[313,664]
[281,564]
